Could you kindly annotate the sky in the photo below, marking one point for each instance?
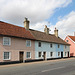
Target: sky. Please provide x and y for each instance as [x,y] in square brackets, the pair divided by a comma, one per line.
[53,13]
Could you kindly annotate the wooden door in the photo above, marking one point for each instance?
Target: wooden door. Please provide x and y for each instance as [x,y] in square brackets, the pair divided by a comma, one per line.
[21,56]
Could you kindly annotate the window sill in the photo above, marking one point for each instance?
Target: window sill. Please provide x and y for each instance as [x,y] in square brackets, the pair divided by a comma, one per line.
[6,59]
[6,45]
[28,58]
[28,46]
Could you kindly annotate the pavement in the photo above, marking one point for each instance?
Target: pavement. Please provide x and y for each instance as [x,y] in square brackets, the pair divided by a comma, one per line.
[50,67]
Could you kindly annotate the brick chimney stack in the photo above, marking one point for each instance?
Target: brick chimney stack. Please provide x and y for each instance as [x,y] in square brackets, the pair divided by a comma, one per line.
[46,30]
[56,32]
[26,24]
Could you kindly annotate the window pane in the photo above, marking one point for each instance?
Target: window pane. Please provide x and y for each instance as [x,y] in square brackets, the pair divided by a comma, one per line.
[51,45]
[51,54]
[39,54]
[39,44]
[6,41]
[28,54]
[58,45]
[28,42]
[58,53]
[6,55]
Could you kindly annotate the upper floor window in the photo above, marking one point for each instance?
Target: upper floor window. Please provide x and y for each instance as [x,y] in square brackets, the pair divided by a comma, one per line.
[65,46]
[39,44]
[66,40]
[51,45]
[58,46]
[28,54]
[6,55]
[51,54]
[6,41]
[28,43]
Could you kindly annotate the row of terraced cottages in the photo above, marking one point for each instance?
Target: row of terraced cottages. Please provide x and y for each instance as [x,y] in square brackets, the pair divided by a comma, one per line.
[21,44]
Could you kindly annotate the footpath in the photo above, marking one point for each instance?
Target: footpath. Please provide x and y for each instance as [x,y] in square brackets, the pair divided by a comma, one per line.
[30,63]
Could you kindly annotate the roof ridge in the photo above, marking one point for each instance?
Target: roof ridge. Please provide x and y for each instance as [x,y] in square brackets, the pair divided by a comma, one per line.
[42,32]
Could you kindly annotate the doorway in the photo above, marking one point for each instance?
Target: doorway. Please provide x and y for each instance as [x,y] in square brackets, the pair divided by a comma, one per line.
[61,54]
[68,54]
[21,55]
[44,55]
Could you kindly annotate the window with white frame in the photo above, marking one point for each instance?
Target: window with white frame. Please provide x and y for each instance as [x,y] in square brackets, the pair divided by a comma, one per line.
[6,55]
[28,43]
[28,54]
[65,53]
[39,44]
[51,54]
[58,46]
[58,53]
[6,41]
[65,46]
[39,54]
[51,45]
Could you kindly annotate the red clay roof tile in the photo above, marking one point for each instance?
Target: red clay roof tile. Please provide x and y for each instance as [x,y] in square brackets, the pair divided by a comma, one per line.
[72,37]
[12,30]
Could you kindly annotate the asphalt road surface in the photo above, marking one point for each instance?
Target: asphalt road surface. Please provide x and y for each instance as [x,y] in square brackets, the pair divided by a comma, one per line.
[51,67]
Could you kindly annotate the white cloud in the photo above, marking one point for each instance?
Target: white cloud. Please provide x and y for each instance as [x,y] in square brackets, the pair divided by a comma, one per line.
[14,11]
[39,26]
[66,25]
[37,11]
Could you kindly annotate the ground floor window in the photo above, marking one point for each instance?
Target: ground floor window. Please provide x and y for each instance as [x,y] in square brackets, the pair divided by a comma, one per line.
[28,55]
[51,54]
[6,55]
[65,53]
[39,54]
[58,53]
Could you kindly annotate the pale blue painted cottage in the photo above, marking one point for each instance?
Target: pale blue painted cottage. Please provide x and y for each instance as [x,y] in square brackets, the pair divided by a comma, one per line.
[48,46]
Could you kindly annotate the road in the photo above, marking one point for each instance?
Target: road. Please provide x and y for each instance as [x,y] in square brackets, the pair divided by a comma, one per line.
[51,67]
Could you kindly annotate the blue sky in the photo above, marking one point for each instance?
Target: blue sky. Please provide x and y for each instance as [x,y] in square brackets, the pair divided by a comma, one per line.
[60,12]
[53,13]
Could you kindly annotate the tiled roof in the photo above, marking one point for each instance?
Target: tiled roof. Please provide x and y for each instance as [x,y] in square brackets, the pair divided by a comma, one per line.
[72,37]
[48,38]
[13,30]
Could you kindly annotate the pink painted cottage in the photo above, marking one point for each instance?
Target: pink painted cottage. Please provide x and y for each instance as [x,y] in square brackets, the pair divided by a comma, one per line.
[71,40]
